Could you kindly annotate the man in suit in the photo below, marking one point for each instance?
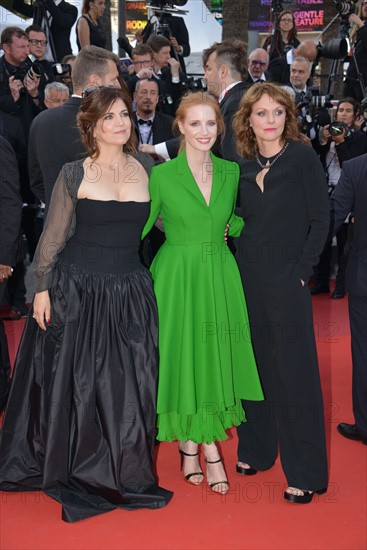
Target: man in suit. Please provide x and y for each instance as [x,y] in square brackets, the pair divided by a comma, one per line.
[258,63]
[300,72]
[10,217]
[151,126]
[54,137]
[167,71]
[60,15]
[350,195]
[175,30]
[226,75]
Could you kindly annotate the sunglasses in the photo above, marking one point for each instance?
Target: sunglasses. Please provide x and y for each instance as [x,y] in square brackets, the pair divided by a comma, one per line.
[35,42]
[90,90]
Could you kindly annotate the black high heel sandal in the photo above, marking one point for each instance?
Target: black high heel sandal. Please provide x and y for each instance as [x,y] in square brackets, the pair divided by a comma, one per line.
[245,471]
[305,498]
[215,483]
[189,476]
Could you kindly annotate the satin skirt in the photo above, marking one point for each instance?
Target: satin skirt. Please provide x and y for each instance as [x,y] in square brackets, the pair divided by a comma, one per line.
[81,418]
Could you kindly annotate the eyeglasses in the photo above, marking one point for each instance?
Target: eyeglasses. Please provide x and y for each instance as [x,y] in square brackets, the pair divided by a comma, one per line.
[256,62]
[287,20]
[35,42]
[146,63]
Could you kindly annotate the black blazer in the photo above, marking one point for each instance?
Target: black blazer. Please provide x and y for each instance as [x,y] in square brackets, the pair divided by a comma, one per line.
[63,18]
[350,195]
[10,204]
[161,128]
[229,106]
[54,139]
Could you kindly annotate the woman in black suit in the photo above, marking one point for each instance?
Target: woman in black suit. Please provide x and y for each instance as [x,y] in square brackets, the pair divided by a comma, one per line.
[284,203]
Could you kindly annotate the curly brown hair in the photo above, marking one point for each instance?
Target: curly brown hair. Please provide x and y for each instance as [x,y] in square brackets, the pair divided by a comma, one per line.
[247,146]
[193,99]
[93,107]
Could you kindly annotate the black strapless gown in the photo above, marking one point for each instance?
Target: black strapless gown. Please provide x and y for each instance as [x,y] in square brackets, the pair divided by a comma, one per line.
[80,421]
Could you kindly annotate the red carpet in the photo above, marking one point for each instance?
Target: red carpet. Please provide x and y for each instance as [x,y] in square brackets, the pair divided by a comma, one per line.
[252,516]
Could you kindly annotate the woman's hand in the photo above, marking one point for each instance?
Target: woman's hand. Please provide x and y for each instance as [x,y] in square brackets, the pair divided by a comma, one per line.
[6,271]
[42,309]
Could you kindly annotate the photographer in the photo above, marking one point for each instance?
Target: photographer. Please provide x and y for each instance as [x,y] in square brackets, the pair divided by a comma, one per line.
[18,83]
[338,143]
[284,37]
[172,81]
[174,29]
[352,87]
[56,16]
[37,49]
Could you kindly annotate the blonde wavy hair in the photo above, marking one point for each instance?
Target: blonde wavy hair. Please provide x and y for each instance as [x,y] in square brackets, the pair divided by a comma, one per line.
[246,141]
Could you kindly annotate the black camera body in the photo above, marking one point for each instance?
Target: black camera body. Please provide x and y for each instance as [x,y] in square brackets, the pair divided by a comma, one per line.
[337,128]
[61,69]
[345,8]
[32,72]
[196,84]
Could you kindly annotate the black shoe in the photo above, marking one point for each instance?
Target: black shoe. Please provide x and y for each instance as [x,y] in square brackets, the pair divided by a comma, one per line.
[320,288]
[349,431]
[303,499]
[338,293]
[245,471]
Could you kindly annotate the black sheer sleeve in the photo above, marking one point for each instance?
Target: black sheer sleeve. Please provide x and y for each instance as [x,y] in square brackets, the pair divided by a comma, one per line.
[59,225]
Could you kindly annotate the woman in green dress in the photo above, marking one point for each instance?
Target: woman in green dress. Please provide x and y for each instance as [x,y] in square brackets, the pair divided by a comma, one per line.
[207,363]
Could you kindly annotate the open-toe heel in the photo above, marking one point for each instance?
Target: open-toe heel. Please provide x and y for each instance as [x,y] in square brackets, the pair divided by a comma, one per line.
[191,474]
[216,483]
[306,498]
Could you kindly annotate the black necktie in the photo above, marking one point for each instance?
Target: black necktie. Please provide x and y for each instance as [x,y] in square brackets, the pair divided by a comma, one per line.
[147,122]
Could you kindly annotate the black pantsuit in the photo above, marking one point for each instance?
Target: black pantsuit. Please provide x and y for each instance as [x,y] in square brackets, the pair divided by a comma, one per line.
[351,196]
[358,327]
[285,231]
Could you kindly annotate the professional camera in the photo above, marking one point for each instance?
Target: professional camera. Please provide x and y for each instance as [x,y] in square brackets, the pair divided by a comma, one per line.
[34,71]
[167,7]
[337,128]
[277,6]
[314,98]
[345,8]
[313,112]
[196,84]
[61,69]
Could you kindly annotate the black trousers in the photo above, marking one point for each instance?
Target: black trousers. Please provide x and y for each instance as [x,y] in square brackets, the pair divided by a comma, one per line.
[358,329]
[291,417]
[324,266]
[4,359]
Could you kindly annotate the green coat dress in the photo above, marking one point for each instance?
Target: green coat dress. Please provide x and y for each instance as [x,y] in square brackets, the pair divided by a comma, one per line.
[206,363]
